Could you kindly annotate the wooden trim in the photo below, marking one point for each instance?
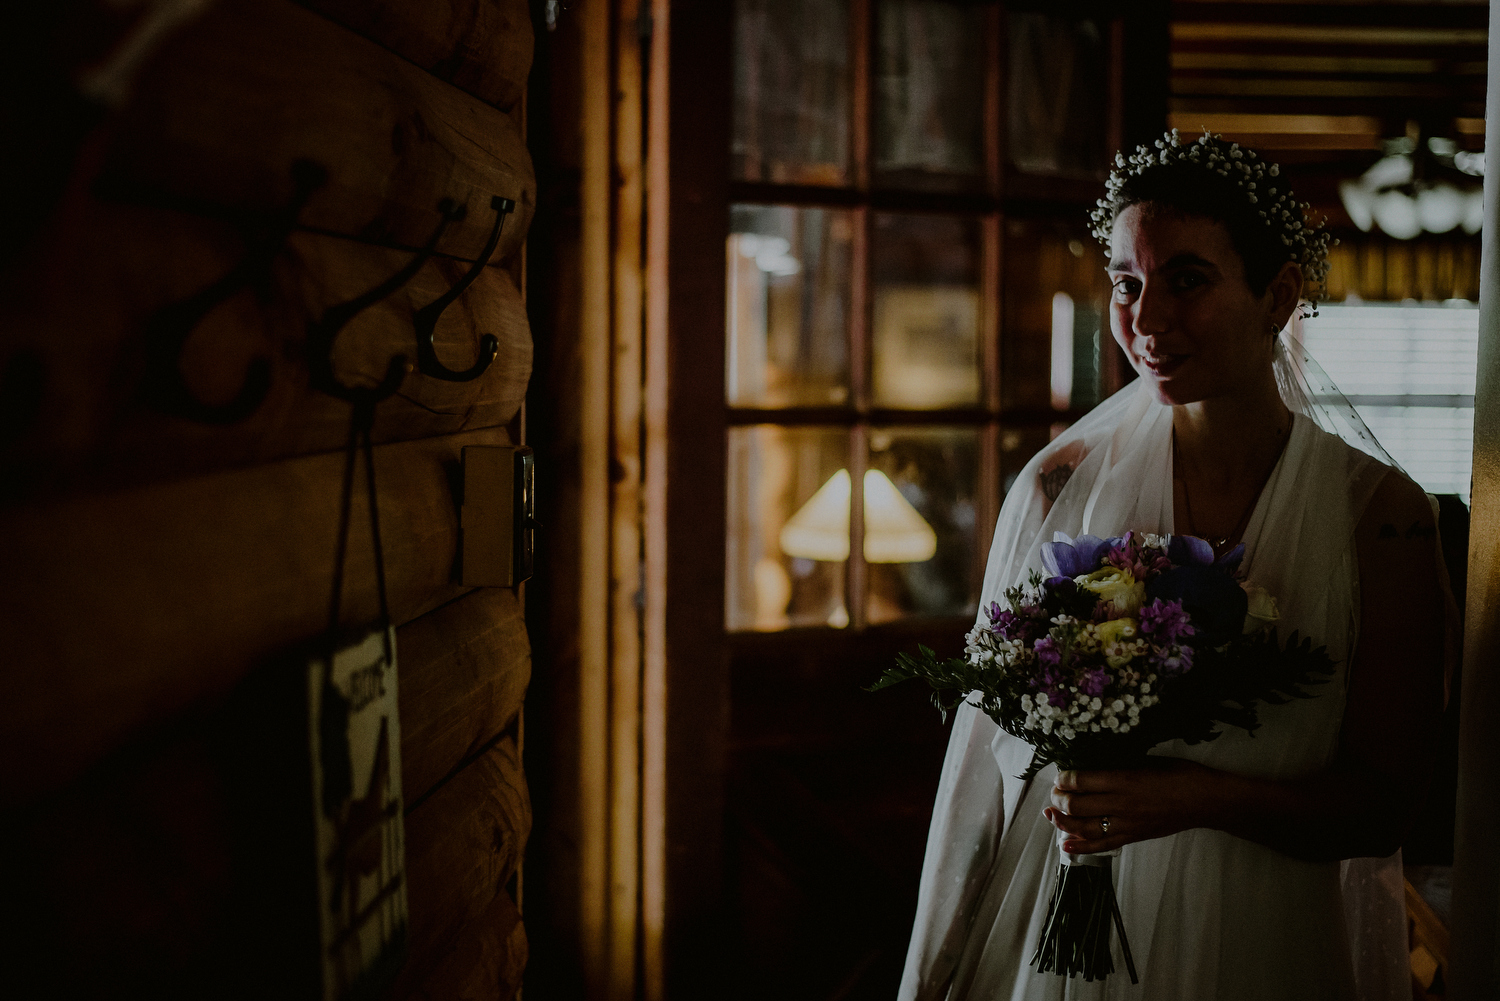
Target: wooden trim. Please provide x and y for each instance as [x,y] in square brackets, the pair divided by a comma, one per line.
[656,427]
[686,685]
[856,571]
[595,333]
[625,510]
[765,648]
[886,199]
[1259,16]
[861,104]
[994,99]
[991,494]
[1025,194]
[846,417]
[991,300]
[1475,924]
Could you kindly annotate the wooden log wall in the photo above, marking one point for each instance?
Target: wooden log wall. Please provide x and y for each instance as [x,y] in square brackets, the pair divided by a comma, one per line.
[162,577]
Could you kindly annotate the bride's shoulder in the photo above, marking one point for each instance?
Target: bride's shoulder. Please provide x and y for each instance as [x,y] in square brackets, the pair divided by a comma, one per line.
[1376,494]
[1056,464]
[1398,509]
[1326,450]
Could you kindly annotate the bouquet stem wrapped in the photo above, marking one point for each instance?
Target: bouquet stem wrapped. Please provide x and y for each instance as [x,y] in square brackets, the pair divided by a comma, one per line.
[1075,937]
[1130,643]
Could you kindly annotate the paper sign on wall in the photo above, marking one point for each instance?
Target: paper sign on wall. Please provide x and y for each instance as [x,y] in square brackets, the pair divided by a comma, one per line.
[357,813]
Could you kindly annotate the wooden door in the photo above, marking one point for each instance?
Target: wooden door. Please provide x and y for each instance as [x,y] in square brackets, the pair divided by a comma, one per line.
[914,306]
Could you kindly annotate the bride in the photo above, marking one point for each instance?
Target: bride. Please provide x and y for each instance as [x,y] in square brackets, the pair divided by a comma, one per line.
[1233,875]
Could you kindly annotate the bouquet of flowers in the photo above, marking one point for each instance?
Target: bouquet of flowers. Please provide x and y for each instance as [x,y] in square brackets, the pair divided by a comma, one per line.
[1129,643]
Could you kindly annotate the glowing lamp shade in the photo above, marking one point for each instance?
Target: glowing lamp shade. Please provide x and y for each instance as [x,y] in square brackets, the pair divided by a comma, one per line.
[894,531]
[1440,208]
[1396,214]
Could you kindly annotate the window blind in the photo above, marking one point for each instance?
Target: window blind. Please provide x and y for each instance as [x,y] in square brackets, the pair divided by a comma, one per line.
[1409,370]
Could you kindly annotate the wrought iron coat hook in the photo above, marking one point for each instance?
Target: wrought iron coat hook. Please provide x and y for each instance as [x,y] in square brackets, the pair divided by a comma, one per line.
[426,318]
[322,332]
[167,332]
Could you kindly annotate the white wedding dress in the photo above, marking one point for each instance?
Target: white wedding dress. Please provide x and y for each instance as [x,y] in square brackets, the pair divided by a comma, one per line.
[1208,915]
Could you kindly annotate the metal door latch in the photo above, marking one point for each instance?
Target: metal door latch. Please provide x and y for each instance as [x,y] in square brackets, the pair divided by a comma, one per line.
[498,518]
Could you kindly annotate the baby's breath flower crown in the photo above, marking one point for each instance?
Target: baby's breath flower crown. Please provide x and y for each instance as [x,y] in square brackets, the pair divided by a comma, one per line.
[1287,220]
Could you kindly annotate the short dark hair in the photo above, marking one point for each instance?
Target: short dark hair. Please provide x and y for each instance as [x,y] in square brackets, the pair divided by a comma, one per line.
[1215,179]
[1190,190]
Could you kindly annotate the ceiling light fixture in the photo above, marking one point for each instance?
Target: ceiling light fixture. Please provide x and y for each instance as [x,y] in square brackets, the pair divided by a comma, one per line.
[1418,187]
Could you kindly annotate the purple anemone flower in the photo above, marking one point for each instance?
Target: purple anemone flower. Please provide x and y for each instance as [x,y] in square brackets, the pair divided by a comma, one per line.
[1230,561]
[1065,557]
[1059,588]
[1189,550]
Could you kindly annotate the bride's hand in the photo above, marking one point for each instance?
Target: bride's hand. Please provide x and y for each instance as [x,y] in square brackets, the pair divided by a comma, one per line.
[1140,803]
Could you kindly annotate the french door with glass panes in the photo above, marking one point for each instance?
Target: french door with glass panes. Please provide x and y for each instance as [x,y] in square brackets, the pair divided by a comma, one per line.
[913,307]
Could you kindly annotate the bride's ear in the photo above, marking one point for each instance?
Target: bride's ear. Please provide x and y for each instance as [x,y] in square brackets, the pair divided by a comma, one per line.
[1284,293]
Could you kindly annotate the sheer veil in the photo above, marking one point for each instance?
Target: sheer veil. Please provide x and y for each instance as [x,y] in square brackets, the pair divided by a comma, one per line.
[1307,389]
[1109,470]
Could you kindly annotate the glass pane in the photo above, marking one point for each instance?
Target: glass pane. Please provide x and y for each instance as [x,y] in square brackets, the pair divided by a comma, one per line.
[929,95]
[791,91]
[919,522]
[788,532]
[788,306]
[926,333]
[1056,350]
[1057,95]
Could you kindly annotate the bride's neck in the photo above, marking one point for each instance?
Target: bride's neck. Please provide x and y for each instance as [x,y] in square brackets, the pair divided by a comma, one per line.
[1228,439]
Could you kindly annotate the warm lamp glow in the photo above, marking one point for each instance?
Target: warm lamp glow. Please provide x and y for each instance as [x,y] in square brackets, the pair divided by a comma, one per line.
[1392,196]
[894,531]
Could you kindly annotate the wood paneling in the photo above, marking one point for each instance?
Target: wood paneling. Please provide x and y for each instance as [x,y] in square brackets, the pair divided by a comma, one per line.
[234,99]
[124,609]
[462,846]
[90,424]
[480,46]
[464,671]
[685,697]
[162,581]
[486,962]
[181,866]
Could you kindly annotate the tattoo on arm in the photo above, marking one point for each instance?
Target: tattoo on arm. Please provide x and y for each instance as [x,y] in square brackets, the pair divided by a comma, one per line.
[1416,531]
[1053,481]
